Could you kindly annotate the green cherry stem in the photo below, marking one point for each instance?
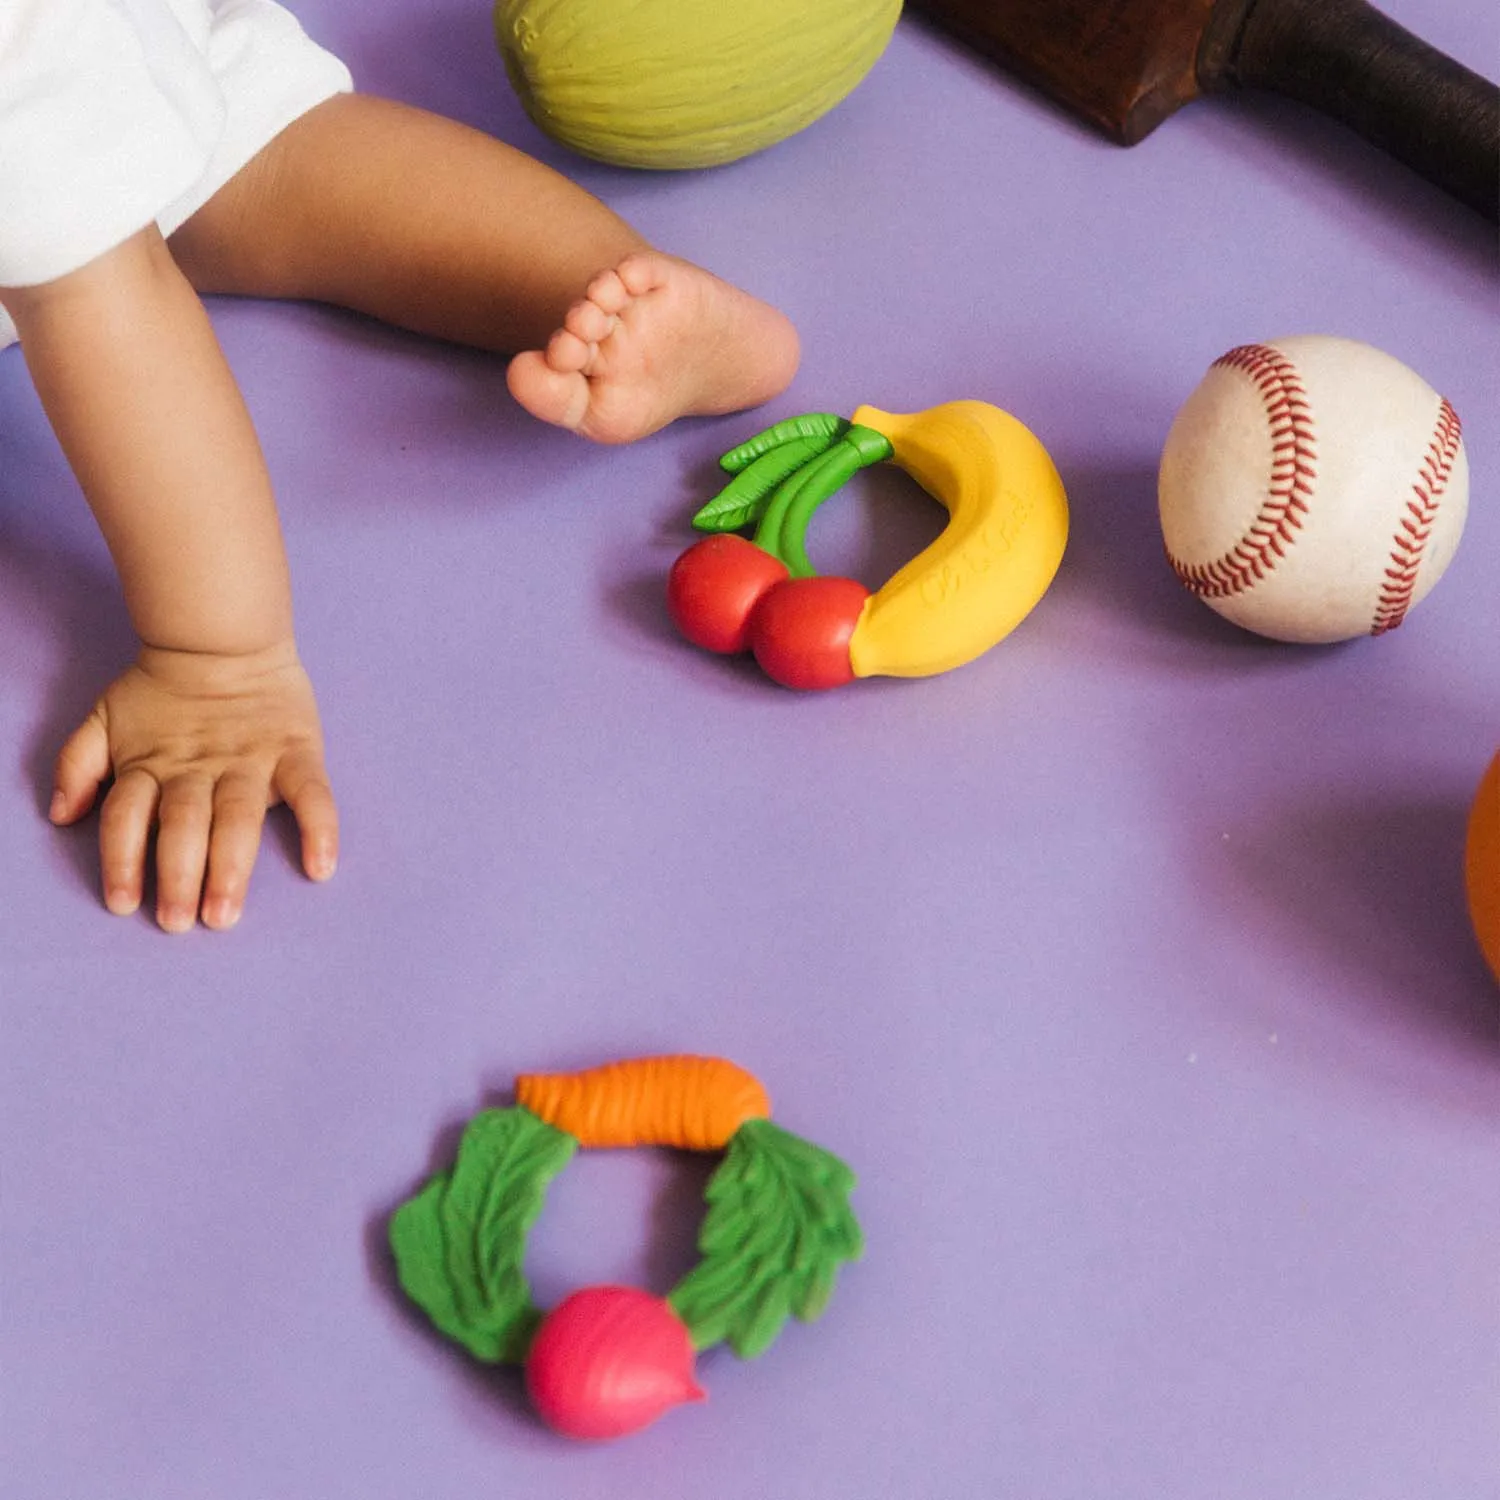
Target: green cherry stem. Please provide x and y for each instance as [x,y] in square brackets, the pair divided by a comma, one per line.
[801,492]
[783,527]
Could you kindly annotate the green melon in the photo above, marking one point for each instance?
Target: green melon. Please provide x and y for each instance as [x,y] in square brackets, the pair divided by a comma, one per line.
[685,83]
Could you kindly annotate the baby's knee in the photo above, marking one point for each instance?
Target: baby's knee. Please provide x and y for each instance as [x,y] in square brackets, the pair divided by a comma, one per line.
[236,242]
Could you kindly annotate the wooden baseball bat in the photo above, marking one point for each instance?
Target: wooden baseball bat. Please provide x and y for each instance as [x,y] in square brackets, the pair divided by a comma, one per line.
[1125,65]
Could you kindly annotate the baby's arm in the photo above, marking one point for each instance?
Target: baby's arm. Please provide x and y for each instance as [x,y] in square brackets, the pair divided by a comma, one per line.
[216,719]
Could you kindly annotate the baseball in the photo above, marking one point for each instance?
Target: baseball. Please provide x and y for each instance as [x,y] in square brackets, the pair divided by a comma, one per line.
[1312,489]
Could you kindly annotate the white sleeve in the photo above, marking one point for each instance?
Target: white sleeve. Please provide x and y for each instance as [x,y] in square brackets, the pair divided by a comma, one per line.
[107,113]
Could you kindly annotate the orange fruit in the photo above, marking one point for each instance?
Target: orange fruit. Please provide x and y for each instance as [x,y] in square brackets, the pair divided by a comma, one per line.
[1482,865]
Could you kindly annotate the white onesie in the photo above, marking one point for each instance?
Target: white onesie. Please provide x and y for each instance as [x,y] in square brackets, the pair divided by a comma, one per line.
[115,113]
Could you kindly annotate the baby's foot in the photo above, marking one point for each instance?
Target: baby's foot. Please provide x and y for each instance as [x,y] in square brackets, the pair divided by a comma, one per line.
[653,340]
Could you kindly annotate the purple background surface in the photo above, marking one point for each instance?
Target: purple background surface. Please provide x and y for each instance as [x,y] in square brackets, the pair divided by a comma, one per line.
[1128,965]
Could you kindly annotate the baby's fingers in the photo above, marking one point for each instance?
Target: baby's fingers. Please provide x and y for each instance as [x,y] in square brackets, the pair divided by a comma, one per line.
[239,816]
[182,832]
[302,783]
[82,765]
[124,829]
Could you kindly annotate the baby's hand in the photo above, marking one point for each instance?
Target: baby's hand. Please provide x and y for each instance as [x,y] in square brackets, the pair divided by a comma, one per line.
[199,746]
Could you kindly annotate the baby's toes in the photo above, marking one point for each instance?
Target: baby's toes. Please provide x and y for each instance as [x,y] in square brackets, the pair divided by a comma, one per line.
[589,322]
[608,292]
[554,395]
[642,273]
[567,352]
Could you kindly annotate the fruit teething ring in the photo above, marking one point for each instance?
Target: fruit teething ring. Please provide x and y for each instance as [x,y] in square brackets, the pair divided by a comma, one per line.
[996,557]
[608,1360]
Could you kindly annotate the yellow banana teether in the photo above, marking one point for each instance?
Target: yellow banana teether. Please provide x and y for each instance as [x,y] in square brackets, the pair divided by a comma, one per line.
[997,556]
[1006,532]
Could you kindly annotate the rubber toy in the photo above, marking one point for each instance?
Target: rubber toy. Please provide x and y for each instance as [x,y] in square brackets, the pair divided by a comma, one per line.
[1482,866]
[610,1360]
[685,83]
[1004,541]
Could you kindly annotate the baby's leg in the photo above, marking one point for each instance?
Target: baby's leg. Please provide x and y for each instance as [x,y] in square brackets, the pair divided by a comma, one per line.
[424,223]
[409,217]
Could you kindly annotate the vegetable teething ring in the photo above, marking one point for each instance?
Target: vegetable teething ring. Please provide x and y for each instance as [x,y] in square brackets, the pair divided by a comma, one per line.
[997,556]
[608,1360]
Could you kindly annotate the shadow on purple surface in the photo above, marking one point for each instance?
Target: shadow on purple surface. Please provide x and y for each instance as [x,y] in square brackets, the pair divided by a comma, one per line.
[1116,559]
[448,396]
[1332,161]
[1115,549]
[1376,885]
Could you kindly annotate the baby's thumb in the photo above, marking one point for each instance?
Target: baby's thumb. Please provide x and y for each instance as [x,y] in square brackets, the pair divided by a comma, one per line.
[82,764]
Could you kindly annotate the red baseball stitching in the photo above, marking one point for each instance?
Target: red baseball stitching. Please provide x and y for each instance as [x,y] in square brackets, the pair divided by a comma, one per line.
[1293,469]
[1410,542]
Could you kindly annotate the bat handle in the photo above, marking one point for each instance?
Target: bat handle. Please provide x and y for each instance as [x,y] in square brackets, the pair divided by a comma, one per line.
[1349,61]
